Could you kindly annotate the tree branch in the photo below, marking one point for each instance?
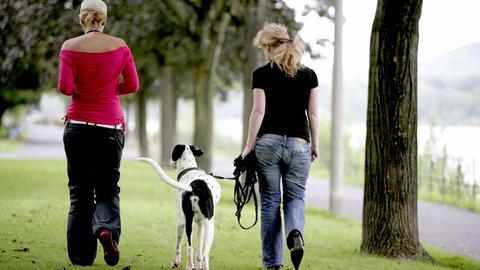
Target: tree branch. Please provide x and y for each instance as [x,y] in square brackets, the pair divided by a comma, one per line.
[172,6]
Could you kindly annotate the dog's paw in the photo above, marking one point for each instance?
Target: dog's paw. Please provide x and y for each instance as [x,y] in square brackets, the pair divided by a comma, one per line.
[176,263]
[199,264]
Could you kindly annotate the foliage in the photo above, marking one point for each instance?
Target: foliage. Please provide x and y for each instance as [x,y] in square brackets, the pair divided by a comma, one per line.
[239,39]
[452,104]
[322,8]
[34,208]
[29,50]
[449,87]
[448,91]
[154,39]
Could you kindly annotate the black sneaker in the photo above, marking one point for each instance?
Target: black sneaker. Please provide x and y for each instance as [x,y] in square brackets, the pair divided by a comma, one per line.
[111,254]
[295,244]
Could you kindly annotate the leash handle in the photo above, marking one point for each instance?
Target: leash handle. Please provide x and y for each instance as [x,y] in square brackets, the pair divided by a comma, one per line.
[238,214]
[242,195]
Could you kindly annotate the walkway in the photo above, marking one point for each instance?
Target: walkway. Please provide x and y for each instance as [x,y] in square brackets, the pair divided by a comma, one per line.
[446,228]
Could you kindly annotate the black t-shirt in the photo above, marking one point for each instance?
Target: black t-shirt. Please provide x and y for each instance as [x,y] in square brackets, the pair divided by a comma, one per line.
[286,101]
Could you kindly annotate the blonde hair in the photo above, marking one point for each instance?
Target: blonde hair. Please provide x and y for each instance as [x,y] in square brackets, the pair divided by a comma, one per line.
[91,18]
[287,53]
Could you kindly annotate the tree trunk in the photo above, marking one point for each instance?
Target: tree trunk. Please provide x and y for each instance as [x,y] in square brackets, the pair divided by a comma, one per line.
[390,226]
[336,166]
[254,15]
[203,133]
[141,125]
[168,113]
[3,108]
[203,89]
[247,104]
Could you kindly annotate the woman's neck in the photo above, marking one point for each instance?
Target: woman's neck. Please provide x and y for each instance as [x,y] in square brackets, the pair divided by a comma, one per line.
[93,29]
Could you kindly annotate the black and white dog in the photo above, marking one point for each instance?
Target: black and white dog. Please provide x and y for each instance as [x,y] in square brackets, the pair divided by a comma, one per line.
[197,195]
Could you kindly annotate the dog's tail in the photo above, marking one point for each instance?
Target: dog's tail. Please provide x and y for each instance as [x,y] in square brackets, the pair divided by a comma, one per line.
[164,176]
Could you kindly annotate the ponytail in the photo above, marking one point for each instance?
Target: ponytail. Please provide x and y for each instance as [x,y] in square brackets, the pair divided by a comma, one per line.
[287,53]
[287,57]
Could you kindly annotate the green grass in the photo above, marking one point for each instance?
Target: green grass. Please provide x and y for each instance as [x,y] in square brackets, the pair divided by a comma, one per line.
[33,214]
[8,145]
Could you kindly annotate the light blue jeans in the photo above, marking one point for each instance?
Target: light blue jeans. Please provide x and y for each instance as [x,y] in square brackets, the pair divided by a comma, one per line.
[283,165]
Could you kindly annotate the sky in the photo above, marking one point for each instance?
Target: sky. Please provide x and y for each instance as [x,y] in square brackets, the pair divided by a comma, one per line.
[444,25]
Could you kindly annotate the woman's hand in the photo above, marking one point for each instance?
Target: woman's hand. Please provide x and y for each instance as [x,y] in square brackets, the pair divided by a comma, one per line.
[246,151]
[314,151]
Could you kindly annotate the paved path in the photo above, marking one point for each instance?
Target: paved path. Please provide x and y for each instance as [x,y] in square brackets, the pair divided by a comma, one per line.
[446,228]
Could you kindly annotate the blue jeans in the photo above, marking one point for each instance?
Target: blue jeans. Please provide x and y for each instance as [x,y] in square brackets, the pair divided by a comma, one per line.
[283,165]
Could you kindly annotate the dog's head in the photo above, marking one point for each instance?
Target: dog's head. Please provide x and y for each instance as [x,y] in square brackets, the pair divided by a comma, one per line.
[183,156]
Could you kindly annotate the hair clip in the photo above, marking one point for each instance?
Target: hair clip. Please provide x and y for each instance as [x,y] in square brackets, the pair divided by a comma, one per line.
[284,40]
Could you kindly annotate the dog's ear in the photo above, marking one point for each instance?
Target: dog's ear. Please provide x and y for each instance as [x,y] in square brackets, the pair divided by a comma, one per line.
[196,151]
[177,151]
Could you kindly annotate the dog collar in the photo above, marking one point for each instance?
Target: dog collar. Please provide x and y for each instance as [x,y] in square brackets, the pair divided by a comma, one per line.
[182,173]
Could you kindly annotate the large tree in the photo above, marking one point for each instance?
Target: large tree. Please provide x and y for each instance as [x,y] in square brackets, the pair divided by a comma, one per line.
[29,42]
[390,226]
[253,18]
[205,24]
[159,55]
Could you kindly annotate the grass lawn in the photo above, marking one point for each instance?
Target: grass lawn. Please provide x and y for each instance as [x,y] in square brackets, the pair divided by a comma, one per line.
[8,145]
[33,215]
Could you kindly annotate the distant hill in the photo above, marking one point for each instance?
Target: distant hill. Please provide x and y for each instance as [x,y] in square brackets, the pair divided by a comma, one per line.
[449,87]
[459,64]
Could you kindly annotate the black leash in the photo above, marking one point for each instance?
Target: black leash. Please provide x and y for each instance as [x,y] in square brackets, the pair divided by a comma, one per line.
[243,193]
[222,177]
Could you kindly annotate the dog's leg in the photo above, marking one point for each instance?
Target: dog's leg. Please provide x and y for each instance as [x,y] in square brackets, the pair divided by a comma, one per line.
[200,241]
[177,256]
[188,211]
[209,233]
[188,230]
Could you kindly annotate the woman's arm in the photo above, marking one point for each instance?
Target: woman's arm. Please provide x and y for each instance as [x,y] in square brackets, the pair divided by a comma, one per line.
[313,121]
[65,83]
[256,118]
[130,79]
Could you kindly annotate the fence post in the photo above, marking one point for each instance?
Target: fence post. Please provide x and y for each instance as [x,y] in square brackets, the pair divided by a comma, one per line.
[431,176]
[474,188]
[459,180]
[444,179]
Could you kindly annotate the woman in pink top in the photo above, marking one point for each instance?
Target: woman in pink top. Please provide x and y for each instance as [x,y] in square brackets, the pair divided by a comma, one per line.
[95,69]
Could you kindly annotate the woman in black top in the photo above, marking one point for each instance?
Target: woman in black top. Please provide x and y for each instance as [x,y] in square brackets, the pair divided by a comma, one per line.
[283,130]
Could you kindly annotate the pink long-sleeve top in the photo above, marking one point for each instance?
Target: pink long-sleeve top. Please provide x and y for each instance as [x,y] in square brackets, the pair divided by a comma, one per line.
[93,81]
